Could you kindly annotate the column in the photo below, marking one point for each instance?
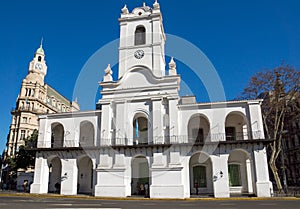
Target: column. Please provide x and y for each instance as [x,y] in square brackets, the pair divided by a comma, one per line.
[220,175]
[157,121]
[173,117]
[263,184]
[41,177]
[105,138]
[69,176]
[112,181]
[249,176]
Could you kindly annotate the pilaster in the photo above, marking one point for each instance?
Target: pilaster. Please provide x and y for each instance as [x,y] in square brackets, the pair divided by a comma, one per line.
[69,177]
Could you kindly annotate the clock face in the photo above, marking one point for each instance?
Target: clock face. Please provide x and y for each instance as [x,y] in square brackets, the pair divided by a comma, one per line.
[38,66]
[139,54]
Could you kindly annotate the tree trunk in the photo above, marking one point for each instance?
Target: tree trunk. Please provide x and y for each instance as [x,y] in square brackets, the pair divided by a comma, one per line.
[276,176]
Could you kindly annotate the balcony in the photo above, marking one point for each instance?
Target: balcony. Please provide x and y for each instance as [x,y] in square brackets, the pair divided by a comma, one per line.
[218,138]
[26,109]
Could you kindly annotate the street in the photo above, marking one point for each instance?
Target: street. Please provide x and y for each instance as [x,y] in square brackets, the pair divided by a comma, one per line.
[28,202]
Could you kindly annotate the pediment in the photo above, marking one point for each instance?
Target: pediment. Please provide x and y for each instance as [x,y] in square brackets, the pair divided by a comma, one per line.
[141,79]
[138,78]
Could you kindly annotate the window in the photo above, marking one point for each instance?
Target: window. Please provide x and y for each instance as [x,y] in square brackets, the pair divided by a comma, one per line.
[234,175]
[22,135]
[24,120]
[39,58]
[140,130]
[140,35]
[197,133]
[230,133]
[199,174]
[28,92]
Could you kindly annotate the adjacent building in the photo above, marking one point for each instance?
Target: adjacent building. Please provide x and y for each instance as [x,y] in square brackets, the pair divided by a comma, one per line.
[146,139]
[291,146]
[35,98]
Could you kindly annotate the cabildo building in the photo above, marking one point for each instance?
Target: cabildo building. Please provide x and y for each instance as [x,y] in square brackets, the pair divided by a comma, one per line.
[146,134]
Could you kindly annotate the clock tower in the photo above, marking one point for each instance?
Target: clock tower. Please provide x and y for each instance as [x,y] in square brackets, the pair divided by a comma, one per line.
[37,69]
[142,39]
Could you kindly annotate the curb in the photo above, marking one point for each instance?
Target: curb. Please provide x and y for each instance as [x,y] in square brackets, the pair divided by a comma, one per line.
[145,199]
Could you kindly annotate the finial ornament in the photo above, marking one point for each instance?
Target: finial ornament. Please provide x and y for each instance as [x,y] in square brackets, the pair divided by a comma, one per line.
[144,4]
[108,73]
[108,70]
[156,5]
[125,9]
[172,64]
[172,67]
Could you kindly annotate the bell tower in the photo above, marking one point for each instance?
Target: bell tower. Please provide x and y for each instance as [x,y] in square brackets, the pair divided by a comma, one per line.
[37,69]
[142,39]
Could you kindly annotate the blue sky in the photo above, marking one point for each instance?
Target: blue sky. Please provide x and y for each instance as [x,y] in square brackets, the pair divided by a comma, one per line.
[239,38]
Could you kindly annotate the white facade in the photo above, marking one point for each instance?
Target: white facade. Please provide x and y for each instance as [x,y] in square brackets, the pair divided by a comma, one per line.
[145,134]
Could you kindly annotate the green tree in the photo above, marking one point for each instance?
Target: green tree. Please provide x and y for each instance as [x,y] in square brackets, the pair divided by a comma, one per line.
[25,157]
[278,88]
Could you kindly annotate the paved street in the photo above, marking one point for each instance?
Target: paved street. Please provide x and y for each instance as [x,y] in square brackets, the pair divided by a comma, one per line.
[27,202]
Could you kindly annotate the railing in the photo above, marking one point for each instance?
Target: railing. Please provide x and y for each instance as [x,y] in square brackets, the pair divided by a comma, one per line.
[243,136]
[179,139]
[35,110]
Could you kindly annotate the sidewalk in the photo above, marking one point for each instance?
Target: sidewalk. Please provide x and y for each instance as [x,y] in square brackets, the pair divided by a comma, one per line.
[193,198]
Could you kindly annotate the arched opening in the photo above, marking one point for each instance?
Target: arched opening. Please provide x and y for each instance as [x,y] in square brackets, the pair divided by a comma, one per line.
[236,127]
[85,175]
[57,135]
[54,184]
[140,35]
[39,58]
[87,133]
[240,176]
[140,129]
[140,176]
[198,129]
[200,174]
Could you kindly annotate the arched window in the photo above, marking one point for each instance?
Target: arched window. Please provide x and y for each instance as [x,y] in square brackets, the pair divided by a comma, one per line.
[57,135]
[140,35]
[198,129]
[86,137]
[140,129]
[39,58]
[236,127]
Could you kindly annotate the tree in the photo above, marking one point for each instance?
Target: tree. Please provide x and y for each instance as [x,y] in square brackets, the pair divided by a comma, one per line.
[278,88]
[25,157]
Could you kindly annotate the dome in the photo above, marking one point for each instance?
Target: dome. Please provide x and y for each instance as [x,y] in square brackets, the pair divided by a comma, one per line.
[40,50]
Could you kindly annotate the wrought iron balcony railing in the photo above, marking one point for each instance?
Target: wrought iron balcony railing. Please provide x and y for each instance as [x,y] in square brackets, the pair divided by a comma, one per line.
[179,139]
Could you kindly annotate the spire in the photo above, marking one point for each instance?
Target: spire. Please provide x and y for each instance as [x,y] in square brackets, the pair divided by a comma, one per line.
[40,50]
